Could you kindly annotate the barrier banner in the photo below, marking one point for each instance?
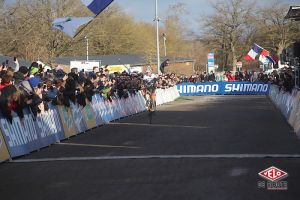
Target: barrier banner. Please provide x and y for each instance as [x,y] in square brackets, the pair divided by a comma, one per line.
[142,101]
[89,116]
[97,104]
[4,155]
[121,108]
[67,121]
[108,112]
[78,117]
[115,109]
[30,134]
[294,115]
[132,102]
[49,127]
[23,136]
[223,88]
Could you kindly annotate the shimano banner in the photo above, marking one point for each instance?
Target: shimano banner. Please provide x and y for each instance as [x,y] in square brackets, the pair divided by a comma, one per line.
[222,88]
[29,134]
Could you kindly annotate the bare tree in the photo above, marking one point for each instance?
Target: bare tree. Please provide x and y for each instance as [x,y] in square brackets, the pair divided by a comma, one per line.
[226,28]
[26,31]
[276,32]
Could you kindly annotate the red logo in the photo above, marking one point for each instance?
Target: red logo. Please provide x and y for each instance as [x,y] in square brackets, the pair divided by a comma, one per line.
[273,174]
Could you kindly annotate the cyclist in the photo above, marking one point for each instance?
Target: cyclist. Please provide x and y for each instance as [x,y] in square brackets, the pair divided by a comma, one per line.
[150,86]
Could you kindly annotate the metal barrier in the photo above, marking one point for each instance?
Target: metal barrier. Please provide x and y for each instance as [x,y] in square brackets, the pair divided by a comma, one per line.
[166,95]
[289,105]
[21,137]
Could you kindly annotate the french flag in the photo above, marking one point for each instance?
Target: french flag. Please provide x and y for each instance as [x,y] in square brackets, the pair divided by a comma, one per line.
[271,59]
[256,49]
[263,56]
[96,6]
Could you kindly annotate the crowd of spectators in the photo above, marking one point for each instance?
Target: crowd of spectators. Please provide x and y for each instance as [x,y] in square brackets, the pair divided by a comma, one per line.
[36,86]
[284,78]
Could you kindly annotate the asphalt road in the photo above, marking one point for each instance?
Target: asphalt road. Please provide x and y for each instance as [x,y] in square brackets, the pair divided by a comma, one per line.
[198,148]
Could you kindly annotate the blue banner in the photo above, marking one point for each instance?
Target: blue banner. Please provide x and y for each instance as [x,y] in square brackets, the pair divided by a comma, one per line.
[100,110]
[29,134]
[223,88]
[49,128]
[78,118]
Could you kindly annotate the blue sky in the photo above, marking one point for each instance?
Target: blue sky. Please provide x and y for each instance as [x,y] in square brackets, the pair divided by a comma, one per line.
[143,10]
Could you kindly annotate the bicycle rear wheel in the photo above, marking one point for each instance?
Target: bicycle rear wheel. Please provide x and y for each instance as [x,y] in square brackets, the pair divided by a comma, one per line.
[151,110]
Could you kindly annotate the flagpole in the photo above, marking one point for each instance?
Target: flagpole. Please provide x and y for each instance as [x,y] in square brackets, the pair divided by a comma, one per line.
[164,35]
[83,27]
[157,37]
[90,21]
[87,48]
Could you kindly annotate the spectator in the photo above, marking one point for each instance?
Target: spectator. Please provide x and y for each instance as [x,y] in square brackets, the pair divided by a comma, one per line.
[229,76]
[10,101]
[205,77]
[5,81]
[163,65]
[20,75]
[212,77]
[254,77]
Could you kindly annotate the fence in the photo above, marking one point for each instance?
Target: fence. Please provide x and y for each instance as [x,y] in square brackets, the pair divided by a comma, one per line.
[162,98]
[289,104]
[21,137]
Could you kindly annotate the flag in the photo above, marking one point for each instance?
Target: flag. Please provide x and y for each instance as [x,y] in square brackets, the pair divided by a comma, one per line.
[255,50]
[96,6]
[265,52]
[69,25]
[263,58]
[271,60]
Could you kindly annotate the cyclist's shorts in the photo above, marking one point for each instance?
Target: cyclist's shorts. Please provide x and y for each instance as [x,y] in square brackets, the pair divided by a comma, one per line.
[151,89]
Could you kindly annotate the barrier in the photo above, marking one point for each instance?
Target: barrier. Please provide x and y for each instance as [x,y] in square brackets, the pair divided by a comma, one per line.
[166,95]
[89,116]
[289,105]
[294,109]
[284,101]
[294,119]
[24,136]
[67,121]
[223,88]
[4,155]
[78,117]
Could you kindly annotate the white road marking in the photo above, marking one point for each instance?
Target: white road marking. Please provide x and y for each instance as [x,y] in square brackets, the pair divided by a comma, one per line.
[96,145]
[158,125]
[145,157]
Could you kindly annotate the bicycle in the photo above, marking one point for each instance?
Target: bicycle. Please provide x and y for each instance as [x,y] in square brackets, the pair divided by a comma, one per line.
[151,105]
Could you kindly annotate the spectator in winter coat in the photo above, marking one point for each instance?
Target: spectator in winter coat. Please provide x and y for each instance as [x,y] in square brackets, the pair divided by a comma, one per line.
[5,81]
[20,75]
[229,76]
[212,77]
[254,77]
[10,101]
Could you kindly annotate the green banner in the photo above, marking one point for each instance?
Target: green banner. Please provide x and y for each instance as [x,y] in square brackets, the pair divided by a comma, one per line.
[67,121]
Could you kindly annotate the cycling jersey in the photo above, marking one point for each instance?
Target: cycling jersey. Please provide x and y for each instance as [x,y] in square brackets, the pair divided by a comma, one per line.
[149,79]
[150,82]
